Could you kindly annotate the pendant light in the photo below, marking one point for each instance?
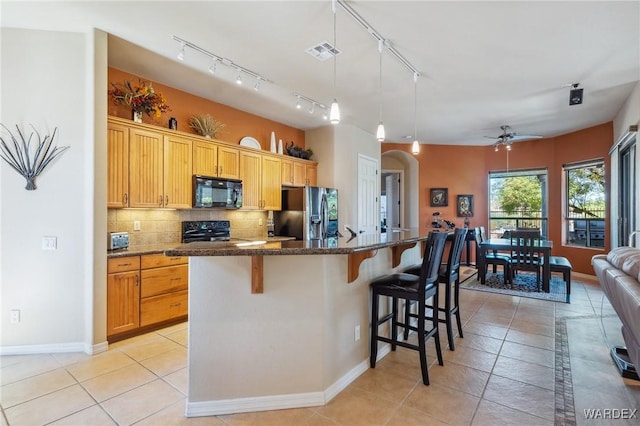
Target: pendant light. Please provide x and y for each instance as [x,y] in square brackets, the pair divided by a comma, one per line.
[415,147]
[334,114]
[380,131]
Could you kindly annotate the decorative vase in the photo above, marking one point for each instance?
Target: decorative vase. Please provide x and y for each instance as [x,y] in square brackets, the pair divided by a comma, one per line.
[280,147]
[137,116]
[273,142]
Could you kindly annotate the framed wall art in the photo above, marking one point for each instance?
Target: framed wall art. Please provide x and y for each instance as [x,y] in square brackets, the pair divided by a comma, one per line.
[438,197]
[465,205]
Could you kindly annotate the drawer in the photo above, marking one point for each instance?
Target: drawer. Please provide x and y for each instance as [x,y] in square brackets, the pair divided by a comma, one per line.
[123,264]
[163,280]
[162,308]
[159,259]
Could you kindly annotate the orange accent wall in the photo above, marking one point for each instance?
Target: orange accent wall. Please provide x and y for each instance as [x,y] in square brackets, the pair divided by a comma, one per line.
[184,105]
[465,169]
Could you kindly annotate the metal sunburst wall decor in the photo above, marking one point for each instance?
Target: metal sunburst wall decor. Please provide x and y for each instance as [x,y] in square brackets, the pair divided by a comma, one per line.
[24,159]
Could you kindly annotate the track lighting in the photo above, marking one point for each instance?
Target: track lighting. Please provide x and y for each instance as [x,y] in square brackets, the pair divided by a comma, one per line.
[325,116]
[212,68]
[256,86]
[298,103]
[181,53]
[312,108]
[239,79]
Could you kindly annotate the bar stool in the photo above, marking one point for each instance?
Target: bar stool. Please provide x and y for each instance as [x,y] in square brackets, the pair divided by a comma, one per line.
[417,288]
[449,275]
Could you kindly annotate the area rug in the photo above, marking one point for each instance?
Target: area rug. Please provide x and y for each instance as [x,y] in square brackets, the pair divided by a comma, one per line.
[524,285]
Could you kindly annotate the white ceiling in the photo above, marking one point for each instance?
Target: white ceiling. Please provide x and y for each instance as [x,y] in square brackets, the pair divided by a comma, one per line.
[482,63]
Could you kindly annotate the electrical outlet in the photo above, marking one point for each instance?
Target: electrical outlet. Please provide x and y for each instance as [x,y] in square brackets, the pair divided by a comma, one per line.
[15,316]
[136,225]
[357,333]
[49,243]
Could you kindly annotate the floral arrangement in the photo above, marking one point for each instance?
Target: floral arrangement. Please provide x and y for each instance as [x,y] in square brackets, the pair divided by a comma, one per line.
[141,98]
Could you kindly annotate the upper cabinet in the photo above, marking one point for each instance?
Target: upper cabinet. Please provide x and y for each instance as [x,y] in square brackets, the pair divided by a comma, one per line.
[117,165]
[145,168]
[211,159]
[177,172]
[297,172]
[261,176]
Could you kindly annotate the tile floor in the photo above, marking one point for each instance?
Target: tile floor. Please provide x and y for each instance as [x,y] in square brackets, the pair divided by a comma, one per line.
[502,372]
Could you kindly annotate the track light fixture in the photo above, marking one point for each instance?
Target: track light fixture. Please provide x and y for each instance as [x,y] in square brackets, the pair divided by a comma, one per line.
[181,53]
[575,94]
[239,79]
[313,104]
[298,103]
[212,68]
[312,108]
[256,86]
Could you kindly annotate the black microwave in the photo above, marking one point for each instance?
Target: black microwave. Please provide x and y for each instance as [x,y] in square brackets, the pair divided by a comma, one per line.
[212,192]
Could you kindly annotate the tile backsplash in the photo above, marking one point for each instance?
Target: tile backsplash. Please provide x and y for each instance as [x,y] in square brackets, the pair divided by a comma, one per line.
[165,226]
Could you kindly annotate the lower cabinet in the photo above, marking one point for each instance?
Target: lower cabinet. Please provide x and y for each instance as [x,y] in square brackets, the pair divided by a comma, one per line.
[144,291]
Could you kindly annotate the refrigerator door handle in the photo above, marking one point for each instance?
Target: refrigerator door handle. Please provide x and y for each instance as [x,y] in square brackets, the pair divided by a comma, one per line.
[324,212]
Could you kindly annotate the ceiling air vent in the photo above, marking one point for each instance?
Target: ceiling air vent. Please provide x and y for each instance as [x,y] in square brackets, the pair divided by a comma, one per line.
[323,51]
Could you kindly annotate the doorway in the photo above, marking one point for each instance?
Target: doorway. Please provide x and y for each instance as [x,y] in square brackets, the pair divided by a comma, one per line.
[391,202]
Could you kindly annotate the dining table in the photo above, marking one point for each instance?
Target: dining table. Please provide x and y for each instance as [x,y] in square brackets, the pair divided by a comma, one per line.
[505,245]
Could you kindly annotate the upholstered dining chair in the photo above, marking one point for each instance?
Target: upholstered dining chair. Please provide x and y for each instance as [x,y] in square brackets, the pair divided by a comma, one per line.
[410,288]
[493,258]
[449,275]
[525,254]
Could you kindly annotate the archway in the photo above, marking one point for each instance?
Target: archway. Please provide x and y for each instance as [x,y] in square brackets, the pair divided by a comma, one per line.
[402,163]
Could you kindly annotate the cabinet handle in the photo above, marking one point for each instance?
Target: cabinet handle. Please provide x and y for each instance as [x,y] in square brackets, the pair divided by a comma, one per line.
[124,264]
[125,199]
[166,200]
[160,201]
[137,280]
[175,305]
[175,258]
[220,171]
[176,279]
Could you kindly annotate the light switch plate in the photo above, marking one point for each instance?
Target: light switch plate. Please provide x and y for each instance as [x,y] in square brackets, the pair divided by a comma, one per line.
[49,243]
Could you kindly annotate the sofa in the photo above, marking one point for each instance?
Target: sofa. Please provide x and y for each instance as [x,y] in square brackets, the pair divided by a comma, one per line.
[619,275]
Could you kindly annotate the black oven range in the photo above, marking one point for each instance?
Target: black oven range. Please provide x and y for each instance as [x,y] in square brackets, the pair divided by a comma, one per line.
[206,230]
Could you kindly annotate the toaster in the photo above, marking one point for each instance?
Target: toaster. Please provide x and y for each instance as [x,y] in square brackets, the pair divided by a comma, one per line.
[118,240]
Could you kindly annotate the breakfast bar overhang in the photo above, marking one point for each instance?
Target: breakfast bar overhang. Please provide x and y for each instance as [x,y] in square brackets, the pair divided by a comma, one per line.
[283,324]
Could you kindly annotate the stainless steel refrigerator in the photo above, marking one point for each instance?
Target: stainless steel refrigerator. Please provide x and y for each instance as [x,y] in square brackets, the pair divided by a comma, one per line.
[308,213]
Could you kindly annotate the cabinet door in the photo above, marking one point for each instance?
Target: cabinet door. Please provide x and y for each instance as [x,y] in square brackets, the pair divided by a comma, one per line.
[228,162]
[145,169]
[250,173]
[271,183]
[123,302]
[312,174]
[117,165]
[205,158]
[287,172]
[299,174]
[177,172]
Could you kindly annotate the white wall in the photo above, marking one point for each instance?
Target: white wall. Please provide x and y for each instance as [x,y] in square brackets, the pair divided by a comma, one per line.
[629,114]
[45,82]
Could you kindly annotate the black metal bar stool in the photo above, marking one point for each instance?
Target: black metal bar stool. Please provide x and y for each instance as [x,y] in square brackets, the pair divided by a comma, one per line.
[418,288]
[449,275]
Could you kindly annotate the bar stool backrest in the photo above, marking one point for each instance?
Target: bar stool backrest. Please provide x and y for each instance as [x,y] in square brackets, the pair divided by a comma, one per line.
[431,259]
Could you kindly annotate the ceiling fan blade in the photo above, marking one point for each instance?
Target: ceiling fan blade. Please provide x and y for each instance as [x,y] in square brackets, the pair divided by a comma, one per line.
[518,138]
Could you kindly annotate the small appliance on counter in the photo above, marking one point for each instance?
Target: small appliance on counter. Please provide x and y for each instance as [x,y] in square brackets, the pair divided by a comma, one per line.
[308,213]
[206,230]
[118,240]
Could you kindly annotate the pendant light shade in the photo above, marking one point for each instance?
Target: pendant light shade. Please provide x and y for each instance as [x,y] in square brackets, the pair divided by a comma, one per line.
[334,114]
[380,132]
[415,147]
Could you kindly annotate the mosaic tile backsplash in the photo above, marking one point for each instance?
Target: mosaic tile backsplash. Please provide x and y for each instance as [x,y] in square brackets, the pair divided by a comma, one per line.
[165,226]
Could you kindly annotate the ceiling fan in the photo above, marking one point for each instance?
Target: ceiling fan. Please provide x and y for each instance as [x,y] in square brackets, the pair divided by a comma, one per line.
[508,137]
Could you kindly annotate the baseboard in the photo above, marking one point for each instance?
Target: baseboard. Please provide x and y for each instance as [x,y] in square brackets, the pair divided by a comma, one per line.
[280,402]
[54,348]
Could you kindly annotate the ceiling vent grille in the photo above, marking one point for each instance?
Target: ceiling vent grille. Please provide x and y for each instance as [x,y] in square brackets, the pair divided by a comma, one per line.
[323,51]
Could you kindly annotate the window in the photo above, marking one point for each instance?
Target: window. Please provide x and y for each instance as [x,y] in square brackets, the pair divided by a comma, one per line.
[584,204]
[517,199]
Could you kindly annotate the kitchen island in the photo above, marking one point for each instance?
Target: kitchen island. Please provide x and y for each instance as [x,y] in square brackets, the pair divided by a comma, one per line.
[276,325]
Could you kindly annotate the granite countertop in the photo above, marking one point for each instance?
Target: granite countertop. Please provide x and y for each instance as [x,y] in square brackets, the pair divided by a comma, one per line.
[161,248]
[341,245]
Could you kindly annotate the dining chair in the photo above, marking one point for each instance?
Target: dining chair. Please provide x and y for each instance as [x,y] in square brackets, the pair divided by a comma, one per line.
[525,255]
[449,275]
[416,288]
[491,258]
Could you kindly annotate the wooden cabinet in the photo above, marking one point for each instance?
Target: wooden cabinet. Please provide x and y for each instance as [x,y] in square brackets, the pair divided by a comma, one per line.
[123,294]
[145,291]
[298,172]
[177,172]
[146,168]
[211,159]
[261,181]
[117,165]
